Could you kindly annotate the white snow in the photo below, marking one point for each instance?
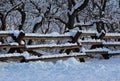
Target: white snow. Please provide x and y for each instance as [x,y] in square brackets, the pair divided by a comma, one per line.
[14,43]
[88,31]
[112,34]
[111,43]
[69,70]
[51,45]
[25,54]
[73,32]
[83,24]
[0,43]
[95,50]
[55,34]
[22,42]
[5,32]
[9,32]
[99,41]
[15,32]
[90,40]
[114,52]
[56,55]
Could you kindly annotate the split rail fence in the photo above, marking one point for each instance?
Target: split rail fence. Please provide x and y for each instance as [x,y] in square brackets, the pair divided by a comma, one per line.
[80,45]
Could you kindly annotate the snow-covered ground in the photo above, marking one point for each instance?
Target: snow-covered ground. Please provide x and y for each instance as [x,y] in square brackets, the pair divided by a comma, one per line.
[69,70]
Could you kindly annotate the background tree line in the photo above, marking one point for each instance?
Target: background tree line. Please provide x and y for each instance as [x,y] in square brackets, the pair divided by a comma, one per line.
[46,16]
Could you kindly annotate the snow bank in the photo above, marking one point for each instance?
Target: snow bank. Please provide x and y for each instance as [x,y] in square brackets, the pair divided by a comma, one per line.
[53,34]
[70,70]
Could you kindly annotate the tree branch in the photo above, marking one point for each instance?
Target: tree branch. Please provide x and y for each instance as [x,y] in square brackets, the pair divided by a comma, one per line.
[81,7]
[13,9]
[37,7]
[61,20]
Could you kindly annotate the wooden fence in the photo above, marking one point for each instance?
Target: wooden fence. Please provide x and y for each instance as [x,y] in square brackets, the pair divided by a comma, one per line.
[80,45]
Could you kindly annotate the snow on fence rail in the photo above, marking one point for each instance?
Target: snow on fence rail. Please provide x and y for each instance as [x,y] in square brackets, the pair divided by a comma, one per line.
[36,36]
[53,46]
[94,39]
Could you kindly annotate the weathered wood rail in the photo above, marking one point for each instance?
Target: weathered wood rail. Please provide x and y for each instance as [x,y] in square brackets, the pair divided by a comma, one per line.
[76,42]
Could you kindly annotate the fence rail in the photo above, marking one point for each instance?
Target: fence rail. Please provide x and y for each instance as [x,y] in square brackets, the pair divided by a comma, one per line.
[77,40]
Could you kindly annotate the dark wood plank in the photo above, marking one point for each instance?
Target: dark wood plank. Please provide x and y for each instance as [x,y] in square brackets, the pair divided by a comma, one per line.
[96,52]
[56,58]
[34,53]
[112,36]
[13,58]
[90,43]
[12,46]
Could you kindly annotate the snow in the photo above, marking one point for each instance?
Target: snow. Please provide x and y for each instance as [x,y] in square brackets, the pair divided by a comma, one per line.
[50,45]
[69,70]
[14,32]
[90,40]
[5,32]
[0,43]
[112,34]
[73,32]
[54,34]
[22,42]
[25,54]
[56,55]
[88,31]
[99,41]
[96,50]
[114,52]
[9,32]
[111,43]
[14,43]
[83,24]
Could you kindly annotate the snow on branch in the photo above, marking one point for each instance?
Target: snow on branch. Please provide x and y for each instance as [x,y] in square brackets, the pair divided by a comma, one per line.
[92,22]
[13,8]
[78,7]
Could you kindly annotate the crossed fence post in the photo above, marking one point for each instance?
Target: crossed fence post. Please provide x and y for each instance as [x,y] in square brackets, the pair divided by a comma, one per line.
[17,39]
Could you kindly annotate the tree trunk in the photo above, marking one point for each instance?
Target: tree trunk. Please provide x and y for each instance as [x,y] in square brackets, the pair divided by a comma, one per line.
[2,18]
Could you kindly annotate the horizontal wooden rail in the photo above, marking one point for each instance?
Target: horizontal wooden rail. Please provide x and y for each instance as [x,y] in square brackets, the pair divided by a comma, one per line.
[13,58]
[111,44]
[49,36]
[52,46]
[61,46]
[41,47]
[90,43]
[112,36]
[5,33]
[57,57]
[46,37]
[88,34]
[96,52]
[74,44]
[11,46]
[99,43]
[37,36]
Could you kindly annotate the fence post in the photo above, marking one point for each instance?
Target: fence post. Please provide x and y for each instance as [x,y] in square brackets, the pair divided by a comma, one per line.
[74,40]
[18,40]
[105,56]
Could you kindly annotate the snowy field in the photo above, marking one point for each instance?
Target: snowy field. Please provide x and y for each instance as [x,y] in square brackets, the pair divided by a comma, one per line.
[69,70]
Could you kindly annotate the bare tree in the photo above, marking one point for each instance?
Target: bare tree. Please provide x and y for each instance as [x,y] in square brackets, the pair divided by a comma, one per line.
[4,13]
[73,11]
